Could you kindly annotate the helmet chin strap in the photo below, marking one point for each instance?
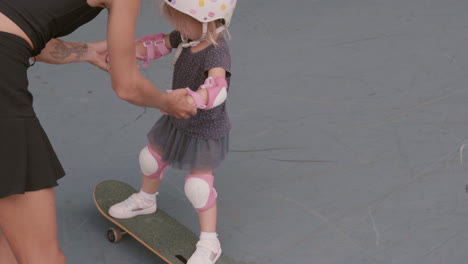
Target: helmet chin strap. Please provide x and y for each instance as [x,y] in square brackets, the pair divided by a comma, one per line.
[193,43]
[220,29]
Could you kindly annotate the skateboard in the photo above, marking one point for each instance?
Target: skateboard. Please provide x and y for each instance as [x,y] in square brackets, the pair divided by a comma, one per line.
[159,232]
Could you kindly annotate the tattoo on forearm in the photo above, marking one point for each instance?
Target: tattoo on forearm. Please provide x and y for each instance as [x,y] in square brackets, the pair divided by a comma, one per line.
[62,52]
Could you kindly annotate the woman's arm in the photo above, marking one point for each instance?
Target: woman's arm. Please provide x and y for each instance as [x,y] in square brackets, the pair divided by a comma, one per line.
[127,81]
[58,51]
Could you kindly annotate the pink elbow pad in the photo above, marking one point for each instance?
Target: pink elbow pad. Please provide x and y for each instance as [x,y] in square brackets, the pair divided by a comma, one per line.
[216,89]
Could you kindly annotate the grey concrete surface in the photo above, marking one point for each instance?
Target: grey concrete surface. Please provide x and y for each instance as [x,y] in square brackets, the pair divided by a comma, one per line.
[349,125]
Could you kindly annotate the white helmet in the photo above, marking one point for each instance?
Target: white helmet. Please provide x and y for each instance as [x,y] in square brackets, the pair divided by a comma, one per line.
[206,10]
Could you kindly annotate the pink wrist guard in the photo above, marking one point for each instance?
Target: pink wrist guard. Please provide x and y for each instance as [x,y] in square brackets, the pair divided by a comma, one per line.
[152,53]
[199,103]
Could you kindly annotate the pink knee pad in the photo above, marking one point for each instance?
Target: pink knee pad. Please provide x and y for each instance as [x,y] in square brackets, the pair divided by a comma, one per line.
[199,190]
[151,164]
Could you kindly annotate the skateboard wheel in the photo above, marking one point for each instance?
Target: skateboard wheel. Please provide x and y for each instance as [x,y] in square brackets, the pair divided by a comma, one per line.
[114,234]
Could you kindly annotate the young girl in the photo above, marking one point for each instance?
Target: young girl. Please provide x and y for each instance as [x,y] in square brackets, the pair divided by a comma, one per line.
[199,144]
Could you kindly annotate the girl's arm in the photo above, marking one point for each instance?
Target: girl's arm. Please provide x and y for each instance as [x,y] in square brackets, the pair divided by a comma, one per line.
[127,81]
[141,49]
[215,72]
[58,51]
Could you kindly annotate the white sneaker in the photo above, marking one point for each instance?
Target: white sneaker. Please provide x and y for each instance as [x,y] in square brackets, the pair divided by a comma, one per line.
[133,206]
[208,252]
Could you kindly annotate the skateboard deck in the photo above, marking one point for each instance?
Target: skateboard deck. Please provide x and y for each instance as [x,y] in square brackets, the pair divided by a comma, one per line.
[159,232]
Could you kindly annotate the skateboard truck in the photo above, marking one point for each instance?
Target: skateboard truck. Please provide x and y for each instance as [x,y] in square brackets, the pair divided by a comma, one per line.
[114,234]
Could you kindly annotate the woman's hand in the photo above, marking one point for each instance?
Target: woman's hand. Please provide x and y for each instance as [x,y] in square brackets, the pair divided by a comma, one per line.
[178,106]
[97,55]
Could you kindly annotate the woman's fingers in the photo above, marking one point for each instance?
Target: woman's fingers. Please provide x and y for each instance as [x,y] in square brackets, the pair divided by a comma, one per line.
[100,46]
[98,55]
[101,62]
[179,106]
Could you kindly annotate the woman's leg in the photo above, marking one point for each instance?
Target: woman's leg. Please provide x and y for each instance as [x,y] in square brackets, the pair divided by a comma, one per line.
[6,255]
[29,223]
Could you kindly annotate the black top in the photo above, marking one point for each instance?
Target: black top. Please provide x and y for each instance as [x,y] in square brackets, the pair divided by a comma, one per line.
[43,20]
[191,70]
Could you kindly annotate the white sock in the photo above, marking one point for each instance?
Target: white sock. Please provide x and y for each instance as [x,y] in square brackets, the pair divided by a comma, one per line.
[210,236]
[147,196]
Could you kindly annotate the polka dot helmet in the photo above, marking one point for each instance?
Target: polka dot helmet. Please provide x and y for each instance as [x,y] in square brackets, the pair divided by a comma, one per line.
[205,10]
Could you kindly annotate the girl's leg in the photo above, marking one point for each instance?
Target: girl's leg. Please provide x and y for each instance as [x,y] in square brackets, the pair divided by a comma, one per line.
[30,225]
[208,247]
[143,202]
[151,185]
[207,218]
[6,255]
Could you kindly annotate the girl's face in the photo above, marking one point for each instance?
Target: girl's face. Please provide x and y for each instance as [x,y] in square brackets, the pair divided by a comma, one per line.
[192,29]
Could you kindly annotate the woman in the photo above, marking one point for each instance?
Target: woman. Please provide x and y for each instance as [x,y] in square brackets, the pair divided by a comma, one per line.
[30,168]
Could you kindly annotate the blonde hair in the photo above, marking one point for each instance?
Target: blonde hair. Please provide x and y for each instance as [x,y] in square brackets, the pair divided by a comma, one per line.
[178,18]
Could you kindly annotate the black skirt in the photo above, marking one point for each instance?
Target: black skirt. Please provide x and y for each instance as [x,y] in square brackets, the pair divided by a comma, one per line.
[27,159]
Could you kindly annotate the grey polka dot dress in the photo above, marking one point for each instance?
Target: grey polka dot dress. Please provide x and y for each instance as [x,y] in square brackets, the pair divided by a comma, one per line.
[202,141]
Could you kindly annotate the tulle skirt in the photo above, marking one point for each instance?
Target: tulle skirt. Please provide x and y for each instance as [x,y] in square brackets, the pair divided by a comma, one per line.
[185,152]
